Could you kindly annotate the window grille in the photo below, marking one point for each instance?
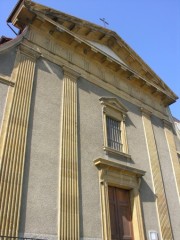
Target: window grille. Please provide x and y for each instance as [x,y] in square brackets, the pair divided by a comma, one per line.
[113,133]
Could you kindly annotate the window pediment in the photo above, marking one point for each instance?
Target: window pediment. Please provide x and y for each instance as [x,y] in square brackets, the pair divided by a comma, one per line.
[114,166]
[114,104]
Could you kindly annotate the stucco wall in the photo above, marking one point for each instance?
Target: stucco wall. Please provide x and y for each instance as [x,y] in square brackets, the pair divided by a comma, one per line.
[40,190]
[138,151]
[7,61]
[90,148]
[168,176]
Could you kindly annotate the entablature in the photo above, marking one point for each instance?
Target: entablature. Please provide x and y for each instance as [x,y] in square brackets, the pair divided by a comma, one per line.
[92,53]
[76,32]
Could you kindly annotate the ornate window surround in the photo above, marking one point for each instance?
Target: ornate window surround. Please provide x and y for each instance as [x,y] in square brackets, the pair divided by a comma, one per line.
[112,173]
[113,108]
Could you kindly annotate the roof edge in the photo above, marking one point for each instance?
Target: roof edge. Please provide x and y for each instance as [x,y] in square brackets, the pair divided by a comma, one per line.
[14,10]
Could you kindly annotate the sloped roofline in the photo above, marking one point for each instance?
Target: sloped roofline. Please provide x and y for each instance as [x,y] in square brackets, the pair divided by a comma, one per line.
[52,13]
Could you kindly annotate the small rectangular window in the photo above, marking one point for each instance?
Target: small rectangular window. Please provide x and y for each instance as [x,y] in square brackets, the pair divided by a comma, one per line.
[114,129]
[113,133]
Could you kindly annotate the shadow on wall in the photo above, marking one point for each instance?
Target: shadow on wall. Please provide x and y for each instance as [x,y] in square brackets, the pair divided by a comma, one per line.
[146,193]
[7,60]
[49,67]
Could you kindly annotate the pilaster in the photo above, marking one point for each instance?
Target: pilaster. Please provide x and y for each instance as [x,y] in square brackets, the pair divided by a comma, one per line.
[69,192]
[173,154]
[159,191]
[13,141]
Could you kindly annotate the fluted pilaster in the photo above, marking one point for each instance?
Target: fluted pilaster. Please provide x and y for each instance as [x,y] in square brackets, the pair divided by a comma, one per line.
[159,191]
[173,154]
[69,194]
[13,142]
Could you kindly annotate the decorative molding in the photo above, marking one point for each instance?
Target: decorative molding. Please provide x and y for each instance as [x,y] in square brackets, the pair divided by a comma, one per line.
[68,227]
[113,151]
[60,57]
[115,109]
[173,154]
[13,144]
[29,51]
[14,42]
[114,104]
[159,191]
[112,173]
[167,124]
[6,80]
[145,111]
[70,72]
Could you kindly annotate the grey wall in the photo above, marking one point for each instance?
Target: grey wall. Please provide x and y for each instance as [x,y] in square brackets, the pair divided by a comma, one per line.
[138,151]
[90,148]
[40,191]
[7,59]
[168,176]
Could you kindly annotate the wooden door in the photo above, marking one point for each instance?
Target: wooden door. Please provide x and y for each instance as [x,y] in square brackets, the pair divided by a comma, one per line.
[120,214]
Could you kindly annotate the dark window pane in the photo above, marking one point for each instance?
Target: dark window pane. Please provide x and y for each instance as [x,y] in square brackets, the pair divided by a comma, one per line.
[113,133]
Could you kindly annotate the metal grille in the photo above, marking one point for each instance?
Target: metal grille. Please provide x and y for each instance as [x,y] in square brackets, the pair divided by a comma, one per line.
[113,133]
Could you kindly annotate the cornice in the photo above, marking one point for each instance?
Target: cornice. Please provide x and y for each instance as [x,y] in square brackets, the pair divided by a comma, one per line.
[59,60]
[146,112]
[29,51]
[14,42]
[101,163]
[113,103]
[51,16]
[132,74]
[6,80]
[167,123]
[76,23]
[70,72]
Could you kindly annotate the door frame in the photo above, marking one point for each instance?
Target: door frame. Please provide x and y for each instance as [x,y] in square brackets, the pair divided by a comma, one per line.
[113,173]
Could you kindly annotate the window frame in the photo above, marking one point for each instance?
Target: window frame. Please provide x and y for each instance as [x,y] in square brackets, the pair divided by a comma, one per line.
[112,108]
[113,173]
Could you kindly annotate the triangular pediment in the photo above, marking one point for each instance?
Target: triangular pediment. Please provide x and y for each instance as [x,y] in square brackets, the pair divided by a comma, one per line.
[108,51]
[113,103]
[102,41]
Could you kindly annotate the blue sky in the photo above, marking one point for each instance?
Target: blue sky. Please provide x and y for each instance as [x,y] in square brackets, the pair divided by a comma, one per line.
[150,27]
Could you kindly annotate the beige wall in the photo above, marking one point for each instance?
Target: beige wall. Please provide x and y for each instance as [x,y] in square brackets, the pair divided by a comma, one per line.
[3,95]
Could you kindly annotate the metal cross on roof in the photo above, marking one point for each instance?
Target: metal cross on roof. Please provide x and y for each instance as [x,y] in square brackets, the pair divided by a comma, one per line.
[104,21]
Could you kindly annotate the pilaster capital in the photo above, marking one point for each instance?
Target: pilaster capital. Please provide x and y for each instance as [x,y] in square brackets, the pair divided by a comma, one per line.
[167,124]
[145,112]
[70,73]
[29,51]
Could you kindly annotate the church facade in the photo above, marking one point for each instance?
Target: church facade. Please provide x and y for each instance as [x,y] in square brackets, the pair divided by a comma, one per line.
[88,149]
